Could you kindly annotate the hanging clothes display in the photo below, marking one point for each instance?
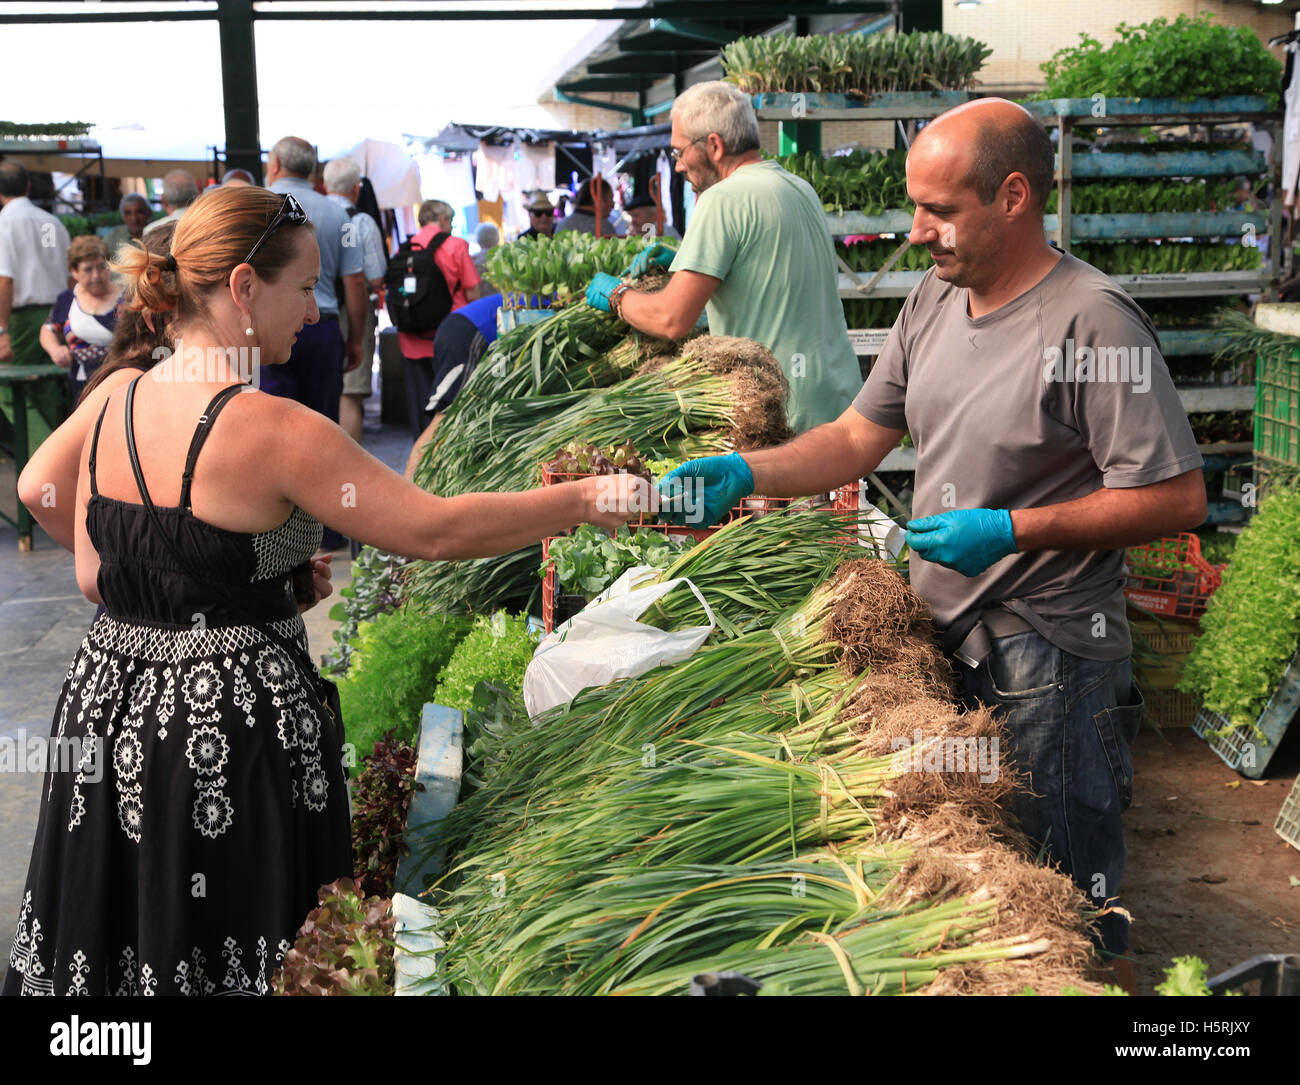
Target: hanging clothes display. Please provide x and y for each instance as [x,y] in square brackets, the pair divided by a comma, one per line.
[1291,127]
[664,168]
[495,168]
[450,179]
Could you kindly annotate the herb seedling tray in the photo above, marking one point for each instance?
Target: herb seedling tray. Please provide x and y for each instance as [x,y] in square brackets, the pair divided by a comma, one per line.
[1249,750]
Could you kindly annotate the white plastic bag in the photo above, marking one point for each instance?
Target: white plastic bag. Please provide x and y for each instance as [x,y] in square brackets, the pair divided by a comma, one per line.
[604,642]
[879,533]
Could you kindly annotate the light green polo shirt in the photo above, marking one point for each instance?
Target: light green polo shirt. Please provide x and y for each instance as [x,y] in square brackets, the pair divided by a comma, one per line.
[762,231]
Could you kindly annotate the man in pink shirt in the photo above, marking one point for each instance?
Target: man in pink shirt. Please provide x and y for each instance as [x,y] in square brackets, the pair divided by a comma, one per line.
[453,261]
[462,277]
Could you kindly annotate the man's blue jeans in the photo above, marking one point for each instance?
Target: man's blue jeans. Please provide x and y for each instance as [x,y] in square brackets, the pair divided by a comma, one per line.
[1069,723]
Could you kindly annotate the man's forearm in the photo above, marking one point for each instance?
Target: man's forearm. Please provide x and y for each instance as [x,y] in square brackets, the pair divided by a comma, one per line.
[354,291]
[817,461]
[1112,519]
[653,314]
[6,300]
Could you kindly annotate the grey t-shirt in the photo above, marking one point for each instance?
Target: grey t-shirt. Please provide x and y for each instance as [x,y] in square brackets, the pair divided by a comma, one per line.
[1047,399]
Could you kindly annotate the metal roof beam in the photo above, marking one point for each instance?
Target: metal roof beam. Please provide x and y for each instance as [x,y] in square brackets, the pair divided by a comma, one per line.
[603,84]
[666,63]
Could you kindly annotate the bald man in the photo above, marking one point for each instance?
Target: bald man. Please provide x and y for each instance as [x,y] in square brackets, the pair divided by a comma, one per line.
[1049,437]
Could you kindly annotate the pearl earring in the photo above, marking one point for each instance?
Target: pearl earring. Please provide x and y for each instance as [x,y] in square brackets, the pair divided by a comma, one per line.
[248,331]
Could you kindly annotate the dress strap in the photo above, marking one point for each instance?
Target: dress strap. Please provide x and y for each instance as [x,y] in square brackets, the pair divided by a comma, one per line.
[94,448]
[206,419]
[128,414]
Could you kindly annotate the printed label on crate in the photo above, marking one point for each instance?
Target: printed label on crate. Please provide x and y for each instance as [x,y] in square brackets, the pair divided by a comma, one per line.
[868,340]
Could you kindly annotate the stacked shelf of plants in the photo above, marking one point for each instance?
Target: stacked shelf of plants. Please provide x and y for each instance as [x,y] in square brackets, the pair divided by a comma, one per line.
[1147,190]
[1157,176]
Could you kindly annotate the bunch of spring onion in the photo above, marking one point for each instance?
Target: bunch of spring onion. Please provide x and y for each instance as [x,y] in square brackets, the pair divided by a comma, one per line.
[558,267]
[885,951]
[755,567]
[505,744]
[664,701]
[735,738]
[629,920]
[681,407]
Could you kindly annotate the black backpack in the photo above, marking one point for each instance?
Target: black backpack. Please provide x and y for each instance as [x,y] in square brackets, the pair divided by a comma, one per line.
[418,297]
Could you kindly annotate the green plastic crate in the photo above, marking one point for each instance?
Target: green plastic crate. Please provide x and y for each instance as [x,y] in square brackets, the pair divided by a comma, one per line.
[1277,409]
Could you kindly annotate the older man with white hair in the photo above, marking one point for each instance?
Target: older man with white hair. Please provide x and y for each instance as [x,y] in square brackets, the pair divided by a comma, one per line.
[342,179]
[757,256]
[179,191]
[135,212]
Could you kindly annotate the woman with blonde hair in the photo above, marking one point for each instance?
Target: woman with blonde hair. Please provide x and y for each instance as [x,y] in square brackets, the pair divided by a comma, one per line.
[184,849]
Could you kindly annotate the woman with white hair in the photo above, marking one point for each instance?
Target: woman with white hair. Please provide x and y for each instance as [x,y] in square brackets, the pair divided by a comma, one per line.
[757,256]
[488,237]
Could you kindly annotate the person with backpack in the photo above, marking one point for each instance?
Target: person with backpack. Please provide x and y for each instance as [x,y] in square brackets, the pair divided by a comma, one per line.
[430,276]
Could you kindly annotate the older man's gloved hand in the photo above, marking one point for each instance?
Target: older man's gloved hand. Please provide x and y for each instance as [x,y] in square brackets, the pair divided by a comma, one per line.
[656,255]
[599,290]
[701,492]
[968,540]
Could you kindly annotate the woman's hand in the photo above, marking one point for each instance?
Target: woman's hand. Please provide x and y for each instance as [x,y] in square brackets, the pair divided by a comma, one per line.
[612,500]
[321,572]
[62,355]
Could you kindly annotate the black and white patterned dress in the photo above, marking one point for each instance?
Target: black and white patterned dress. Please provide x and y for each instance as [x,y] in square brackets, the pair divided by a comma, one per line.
[210,801]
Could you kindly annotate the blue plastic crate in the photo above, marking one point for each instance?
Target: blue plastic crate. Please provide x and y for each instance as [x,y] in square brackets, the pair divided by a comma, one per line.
[1244,749]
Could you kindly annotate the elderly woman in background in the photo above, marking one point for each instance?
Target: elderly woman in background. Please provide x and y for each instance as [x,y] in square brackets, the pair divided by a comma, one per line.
[135,212]
[80,327]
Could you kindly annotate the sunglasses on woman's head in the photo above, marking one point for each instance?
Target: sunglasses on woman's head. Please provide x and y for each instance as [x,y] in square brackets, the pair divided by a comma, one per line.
[290,211]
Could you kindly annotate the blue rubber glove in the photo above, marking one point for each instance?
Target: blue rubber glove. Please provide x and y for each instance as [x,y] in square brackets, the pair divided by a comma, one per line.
[968,540]
[599,290]
[701,492]
[656,255]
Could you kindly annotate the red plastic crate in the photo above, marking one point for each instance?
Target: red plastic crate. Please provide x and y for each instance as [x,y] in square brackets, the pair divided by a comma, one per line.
[1169,577]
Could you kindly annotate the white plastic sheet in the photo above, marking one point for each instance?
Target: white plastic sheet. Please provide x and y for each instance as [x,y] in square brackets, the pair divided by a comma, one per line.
[605,642]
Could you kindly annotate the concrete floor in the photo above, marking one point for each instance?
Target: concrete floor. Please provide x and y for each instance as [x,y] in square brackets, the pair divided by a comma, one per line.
[43,618]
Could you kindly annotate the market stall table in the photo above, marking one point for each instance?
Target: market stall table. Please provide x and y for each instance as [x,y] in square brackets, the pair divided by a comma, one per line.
[18,377]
